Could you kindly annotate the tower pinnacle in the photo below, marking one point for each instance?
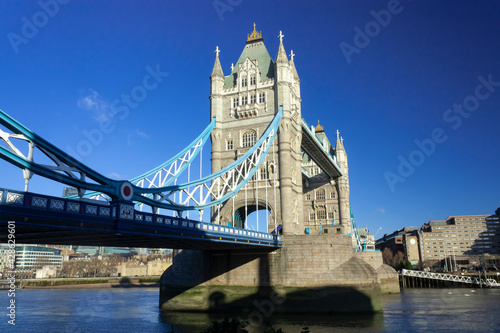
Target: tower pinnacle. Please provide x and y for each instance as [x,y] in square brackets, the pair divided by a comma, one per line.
[217,70]
[281,56]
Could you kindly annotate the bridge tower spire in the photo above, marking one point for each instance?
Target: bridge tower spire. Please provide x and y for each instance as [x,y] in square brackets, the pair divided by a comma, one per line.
[216,107]
[343,184]
[287,94]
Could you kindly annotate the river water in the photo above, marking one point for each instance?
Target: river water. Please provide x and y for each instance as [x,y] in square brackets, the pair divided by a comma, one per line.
[136,310]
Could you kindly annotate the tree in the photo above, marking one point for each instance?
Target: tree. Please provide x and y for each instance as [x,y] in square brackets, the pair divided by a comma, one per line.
[497,212]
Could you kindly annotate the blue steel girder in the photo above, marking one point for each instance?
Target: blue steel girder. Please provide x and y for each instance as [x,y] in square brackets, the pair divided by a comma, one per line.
[222,185]
[170,170]
[219,186]
[66,170]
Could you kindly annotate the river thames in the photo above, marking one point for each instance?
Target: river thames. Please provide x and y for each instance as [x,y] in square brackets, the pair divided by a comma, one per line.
[136,310]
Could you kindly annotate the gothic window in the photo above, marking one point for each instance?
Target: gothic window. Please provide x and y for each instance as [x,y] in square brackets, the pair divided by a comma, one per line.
[244,100]
[312,216]
[263,173]
[321,212]
[252,80]
[320,195]
[252,99]
[308,196]
[332,195]
[229,144]
[262,97]
[249,138]
[244,82]
[235,102]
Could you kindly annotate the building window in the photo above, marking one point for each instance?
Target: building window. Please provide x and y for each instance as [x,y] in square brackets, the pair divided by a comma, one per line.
[252,80]
[331,214]
[320,195]
[262,97]
[312,216]
[249,138]
[321,212]
[244,82]
[252,99]
[235,102]
[264,173]
[229,144]
[244,100]
[332,195]
[308,196]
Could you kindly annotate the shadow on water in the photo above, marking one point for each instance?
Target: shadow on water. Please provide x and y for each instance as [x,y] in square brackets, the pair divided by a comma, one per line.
[289,308]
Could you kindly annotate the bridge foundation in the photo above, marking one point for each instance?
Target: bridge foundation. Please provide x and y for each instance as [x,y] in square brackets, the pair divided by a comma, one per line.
[315,274]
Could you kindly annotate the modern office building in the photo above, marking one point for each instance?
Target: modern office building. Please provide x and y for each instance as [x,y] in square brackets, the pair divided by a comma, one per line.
[31,257]
[459,241]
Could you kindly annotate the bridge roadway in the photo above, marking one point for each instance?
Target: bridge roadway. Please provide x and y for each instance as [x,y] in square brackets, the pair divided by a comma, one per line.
[41,219]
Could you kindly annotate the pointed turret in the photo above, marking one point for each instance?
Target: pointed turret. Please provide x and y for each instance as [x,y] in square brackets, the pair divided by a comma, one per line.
[281,56]
[217,70]
[339,144]
[292,66]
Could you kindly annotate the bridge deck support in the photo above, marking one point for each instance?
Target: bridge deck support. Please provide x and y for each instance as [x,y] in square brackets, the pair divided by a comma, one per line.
[318,274]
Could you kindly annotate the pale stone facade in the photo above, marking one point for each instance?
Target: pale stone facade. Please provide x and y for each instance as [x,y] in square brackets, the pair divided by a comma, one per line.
[152,268]
[244,104]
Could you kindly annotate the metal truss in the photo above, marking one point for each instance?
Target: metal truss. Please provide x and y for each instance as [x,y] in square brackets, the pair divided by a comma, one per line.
[450,277]
[170,170]
[150,187]
[220,186]
[65,169]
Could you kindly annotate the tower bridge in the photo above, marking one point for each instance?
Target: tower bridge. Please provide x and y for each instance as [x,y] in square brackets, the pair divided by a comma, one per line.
[264,156]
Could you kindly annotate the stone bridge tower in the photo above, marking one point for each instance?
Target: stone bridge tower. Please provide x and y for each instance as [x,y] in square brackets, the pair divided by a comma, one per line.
[244,103]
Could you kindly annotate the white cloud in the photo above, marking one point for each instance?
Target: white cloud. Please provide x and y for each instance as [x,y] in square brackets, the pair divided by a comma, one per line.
[142,134]
[92,101]
[380,210]
[114,175]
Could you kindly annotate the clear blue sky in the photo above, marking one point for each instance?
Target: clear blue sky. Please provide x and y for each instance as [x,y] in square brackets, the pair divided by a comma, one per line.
[64,70]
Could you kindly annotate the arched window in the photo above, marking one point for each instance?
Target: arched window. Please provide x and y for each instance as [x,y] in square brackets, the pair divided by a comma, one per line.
[320,194]
[252,80]
[244,82]
[249,138]
[252,99]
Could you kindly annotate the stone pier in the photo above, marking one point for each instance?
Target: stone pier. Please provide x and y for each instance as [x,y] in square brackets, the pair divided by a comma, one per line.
[309,274]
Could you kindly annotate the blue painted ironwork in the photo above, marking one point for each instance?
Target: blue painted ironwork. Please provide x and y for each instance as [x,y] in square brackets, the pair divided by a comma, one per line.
[229,180]
[307,130]
[118,217]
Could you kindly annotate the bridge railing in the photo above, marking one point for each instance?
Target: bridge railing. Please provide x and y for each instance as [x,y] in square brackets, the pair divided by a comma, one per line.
[450,277]
[122,211]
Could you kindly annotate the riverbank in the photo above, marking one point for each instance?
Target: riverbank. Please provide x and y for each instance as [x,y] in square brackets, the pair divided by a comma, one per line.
[84,283]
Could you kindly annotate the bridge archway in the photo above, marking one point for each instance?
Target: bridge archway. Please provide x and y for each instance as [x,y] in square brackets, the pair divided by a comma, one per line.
[245,212]
[252,216]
